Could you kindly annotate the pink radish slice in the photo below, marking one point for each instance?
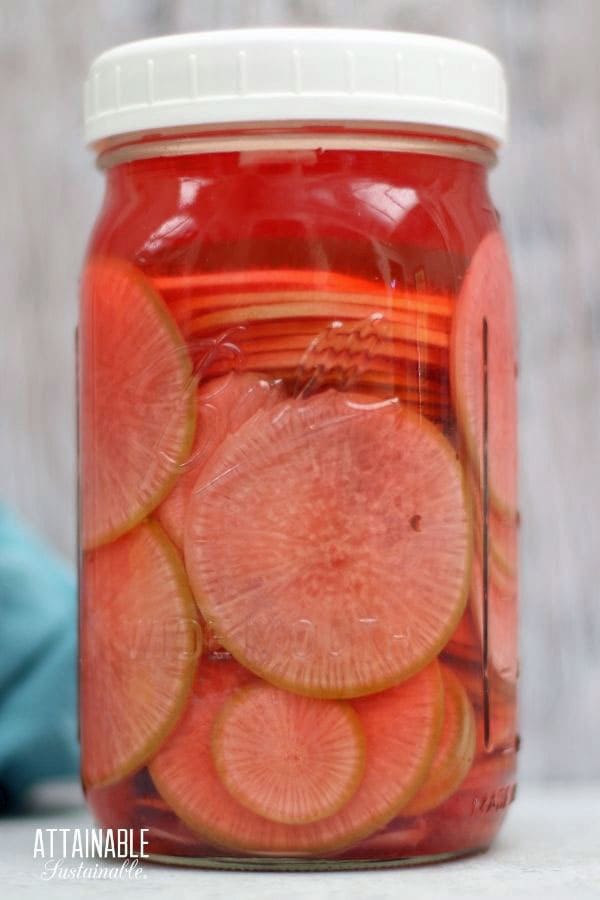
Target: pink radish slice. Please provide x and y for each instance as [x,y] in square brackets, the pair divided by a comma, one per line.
[223,405]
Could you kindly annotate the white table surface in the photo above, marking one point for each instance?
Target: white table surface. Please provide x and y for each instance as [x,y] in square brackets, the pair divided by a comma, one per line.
[549,848]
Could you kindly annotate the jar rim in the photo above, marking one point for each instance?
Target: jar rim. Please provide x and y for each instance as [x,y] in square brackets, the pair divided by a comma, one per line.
[270,141]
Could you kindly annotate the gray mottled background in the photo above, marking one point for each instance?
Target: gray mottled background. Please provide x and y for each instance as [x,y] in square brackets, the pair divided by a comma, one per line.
[548,190]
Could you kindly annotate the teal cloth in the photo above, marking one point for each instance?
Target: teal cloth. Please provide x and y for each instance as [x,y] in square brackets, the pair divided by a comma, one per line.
[38,693]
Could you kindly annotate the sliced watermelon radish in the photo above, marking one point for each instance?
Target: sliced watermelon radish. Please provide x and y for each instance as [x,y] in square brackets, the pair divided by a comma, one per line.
[223,404]
[407,382]
[311,344]
[262,279]
[206,288]
[137,400]
[401,728]
[494,609]
[502,736]
[492,697]
[328,543]
[346,352]
[403,324]
[353,334]
[289,758]
[312,371]
[504,549]
[483,371]
[455,752]
[139,644]
[346,341]
[501,541]
[324,302]
[493,606]
[465,644]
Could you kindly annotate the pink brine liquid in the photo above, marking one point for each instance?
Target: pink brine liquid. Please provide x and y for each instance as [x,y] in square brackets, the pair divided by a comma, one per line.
[299,511]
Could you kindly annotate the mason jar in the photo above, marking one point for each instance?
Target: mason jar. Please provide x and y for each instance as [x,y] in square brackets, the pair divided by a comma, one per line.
[298,528]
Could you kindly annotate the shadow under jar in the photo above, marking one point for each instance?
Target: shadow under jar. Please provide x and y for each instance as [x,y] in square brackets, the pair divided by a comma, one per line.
[297,371]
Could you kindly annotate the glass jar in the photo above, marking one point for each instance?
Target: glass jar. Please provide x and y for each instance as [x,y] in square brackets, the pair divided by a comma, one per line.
[298,451]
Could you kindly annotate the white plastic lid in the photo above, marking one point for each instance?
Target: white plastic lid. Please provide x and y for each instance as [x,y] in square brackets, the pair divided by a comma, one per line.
[295,75]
